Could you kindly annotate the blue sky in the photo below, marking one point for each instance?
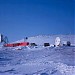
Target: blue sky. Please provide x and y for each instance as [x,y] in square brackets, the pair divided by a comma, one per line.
[21,18]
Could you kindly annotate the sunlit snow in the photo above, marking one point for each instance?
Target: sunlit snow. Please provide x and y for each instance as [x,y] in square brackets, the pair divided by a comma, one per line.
[39,60]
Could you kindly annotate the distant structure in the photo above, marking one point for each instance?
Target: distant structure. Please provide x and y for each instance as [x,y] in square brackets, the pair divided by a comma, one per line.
[67,43]
[25,38]
[64,43]
[57,42]
[46,44]
[3,39]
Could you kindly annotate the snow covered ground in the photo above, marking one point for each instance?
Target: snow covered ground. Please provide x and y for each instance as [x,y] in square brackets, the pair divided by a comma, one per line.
[41,60]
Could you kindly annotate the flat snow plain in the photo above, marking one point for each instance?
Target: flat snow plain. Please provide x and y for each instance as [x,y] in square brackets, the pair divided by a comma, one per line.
[41,60]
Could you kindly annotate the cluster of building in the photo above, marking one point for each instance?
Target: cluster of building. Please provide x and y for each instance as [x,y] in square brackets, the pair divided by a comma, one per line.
[56,44]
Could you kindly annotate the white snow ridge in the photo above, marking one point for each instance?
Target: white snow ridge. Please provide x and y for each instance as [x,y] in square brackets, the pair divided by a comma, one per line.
[39,60]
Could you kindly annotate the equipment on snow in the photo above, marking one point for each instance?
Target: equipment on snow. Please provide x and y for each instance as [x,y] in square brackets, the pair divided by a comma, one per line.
[16,44]
[57,41]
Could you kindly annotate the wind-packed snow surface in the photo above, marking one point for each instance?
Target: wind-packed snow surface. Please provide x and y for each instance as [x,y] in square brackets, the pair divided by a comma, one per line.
[40,60]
